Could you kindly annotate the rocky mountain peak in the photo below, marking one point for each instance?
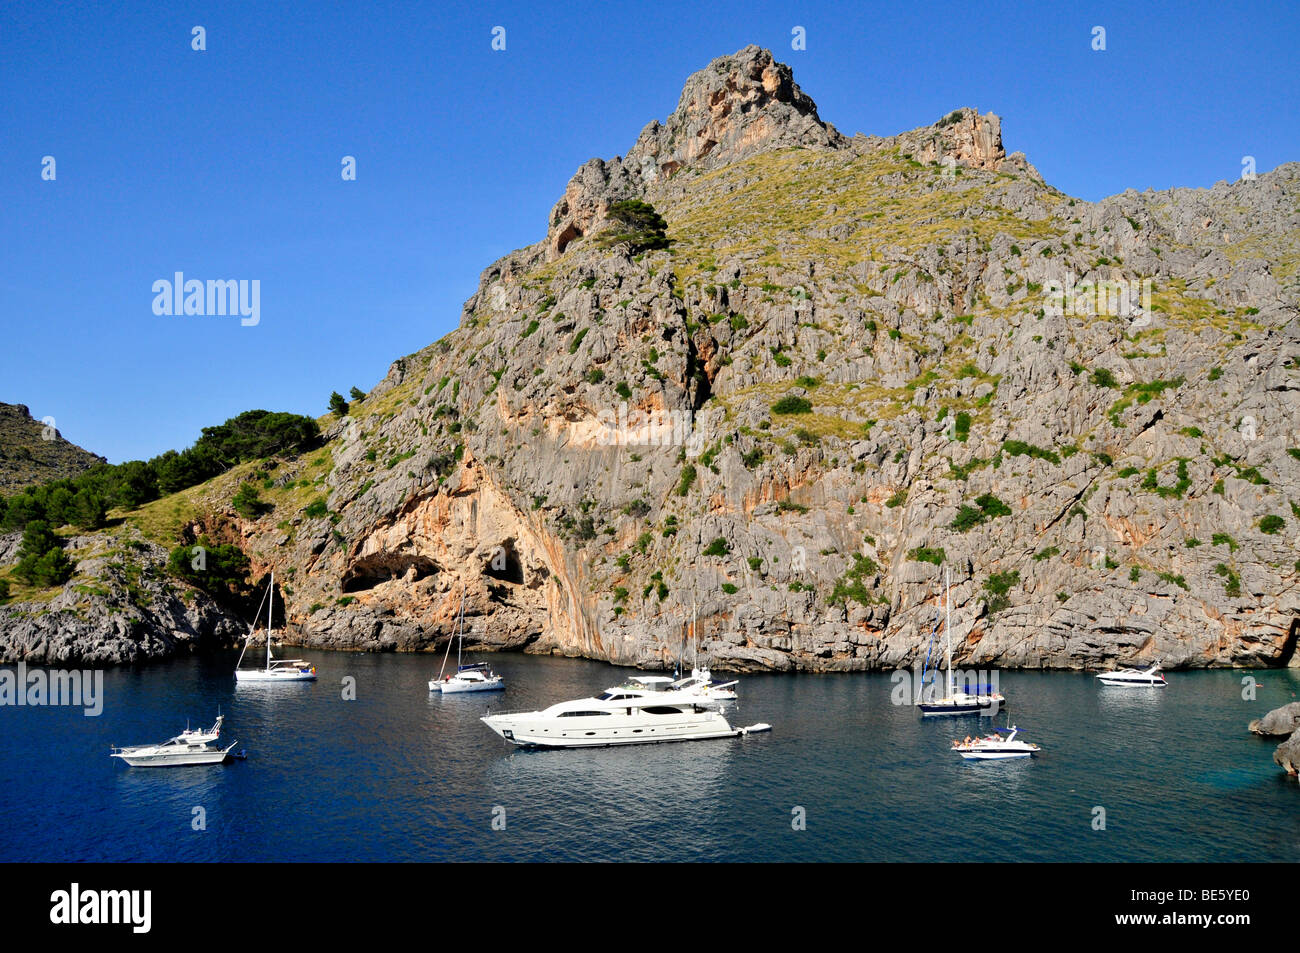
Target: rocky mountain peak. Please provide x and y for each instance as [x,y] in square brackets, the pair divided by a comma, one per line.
[968,139]
[736,106]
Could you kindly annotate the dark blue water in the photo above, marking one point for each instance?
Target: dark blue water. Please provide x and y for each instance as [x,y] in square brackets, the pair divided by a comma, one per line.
[399,774]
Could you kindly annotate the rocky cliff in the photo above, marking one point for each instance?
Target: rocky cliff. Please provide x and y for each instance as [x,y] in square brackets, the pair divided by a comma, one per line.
[861,361]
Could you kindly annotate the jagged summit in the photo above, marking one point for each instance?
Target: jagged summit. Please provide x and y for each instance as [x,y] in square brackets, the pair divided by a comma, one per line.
[736,107]
[733,107]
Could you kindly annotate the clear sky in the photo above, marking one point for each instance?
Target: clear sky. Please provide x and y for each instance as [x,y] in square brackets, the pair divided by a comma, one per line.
[225,163]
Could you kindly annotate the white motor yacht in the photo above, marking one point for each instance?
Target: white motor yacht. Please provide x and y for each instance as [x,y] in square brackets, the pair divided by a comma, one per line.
[190,747]
[703,687]
[619,717]
[995,748]
[275,670]
[476,677]
[1135,677]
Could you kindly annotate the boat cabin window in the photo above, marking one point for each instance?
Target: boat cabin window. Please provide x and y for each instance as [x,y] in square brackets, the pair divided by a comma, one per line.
[610,696]
[662,710]
[580,714]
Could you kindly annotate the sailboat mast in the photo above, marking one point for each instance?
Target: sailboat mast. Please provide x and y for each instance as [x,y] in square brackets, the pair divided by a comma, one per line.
[270,608]
[695,640]
[947,624]
[460,643]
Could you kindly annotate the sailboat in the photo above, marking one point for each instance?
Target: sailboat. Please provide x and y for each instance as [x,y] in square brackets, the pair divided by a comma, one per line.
[475,677]
[701,680]
[276,670]
[980,702]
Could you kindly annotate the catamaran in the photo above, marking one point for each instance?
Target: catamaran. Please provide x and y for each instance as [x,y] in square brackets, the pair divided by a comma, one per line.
[276,670]
[983,701]
[475,677]
[1135,677]
[191,746]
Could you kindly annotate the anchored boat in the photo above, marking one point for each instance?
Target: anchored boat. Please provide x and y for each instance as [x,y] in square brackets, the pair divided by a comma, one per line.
[276,670]
[1135,677]
[475,677]
[190,747]
[982,701]
[619,717]
[995,748]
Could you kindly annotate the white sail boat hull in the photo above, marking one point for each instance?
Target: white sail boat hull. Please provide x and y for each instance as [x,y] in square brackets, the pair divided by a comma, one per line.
[274,675]
[467,678]
[456,686]
[276,670]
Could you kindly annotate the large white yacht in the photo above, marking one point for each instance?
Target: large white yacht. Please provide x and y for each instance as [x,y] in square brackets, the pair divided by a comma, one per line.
[190,747]
[1135,677]
[275,670]
[619,716]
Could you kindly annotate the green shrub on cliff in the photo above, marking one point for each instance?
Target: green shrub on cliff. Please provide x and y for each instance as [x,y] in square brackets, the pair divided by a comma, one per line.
[220,570]
[635,224]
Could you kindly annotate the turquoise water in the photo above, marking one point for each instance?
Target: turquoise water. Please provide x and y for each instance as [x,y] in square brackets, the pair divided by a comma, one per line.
[399,774]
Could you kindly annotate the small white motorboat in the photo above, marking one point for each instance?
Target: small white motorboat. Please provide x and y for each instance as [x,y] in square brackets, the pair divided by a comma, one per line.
[1135,677]
[995,748]
[190,747]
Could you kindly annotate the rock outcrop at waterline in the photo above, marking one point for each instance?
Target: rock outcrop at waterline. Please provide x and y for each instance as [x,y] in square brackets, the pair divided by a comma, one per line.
[1278,723]
[120,607]
[847,372]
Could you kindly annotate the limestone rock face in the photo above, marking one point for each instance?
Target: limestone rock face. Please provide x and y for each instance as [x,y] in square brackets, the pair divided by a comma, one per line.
[1287,755]
[861,362]
[736,106]
[119,608]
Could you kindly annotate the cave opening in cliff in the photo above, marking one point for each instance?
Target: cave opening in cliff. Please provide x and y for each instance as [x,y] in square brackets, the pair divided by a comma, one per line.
[503,563]
[1288,647]
[569,233]
[386,567]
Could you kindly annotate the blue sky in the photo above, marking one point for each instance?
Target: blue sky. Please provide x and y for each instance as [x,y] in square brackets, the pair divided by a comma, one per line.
[226,163]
